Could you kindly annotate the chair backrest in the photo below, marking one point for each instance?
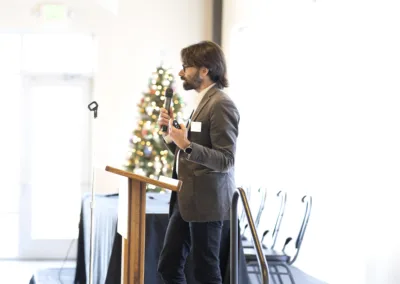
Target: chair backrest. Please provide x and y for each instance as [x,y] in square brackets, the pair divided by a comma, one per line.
[263,193]
[308,204]
[275,232]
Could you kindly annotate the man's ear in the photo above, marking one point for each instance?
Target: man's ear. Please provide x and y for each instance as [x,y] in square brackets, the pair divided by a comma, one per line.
[203,72]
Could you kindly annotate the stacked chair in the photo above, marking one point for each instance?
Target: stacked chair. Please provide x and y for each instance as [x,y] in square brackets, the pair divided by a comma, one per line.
[278,260]
[282,200]
[262,192]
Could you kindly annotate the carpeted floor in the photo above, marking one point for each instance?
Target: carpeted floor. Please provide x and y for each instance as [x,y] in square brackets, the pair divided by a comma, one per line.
[299,277]
[53,275]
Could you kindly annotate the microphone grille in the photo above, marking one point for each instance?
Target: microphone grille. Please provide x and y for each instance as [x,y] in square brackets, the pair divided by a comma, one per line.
[169,92]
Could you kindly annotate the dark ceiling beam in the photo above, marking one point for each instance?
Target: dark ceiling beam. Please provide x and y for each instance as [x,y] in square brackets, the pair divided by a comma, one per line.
[217,22]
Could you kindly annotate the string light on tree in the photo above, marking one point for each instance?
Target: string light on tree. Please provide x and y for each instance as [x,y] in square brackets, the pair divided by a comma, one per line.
[147,154]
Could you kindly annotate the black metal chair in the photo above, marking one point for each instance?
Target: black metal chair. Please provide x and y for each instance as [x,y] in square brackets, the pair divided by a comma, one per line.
[234,246]
[262,193]
[283,197]
[280,259]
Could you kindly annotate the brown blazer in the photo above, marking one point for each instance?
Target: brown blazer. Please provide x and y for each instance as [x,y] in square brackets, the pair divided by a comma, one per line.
[208,172]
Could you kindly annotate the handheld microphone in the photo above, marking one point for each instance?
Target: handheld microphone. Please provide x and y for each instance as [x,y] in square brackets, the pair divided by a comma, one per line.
[168,98]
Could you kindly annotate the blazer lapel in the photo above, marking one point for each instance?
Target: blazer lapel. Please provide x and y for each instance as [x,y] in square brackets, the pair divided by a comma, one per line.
[203,102]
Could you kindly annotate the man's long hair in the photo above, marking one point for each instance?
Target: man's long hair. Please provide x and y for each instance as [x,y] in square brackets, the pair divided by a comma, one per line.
[210,55]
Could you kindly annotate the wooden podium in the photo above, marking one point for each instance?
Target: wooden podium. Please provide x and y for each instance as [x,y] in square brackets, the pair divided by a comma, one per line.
[133,246]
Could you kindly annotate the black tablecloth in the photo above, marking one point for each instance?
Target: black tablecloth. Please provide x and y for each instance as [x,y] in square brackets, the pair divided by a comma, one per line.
[108,243]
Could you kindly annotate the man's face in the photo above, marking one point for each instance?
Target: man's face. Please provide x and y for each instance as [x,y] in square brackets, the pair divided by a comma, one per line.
[191,78]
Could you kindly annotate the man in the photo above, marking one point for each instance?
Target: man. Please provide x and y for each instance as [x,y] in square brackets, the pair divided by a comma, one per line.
[204,161]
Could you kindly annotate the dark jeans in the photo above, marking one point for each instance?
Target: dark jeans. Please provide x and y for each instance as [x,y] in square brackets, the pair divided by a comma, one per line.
[204,240]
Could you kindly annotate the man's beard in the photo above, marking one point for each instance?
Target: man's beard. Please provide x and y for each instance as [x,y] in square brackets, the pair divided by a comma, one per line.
[192,84]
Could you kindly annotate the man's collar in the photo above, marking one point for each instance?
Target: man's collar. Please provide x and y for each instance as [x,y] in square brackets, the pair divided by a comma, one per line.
[206,89]
[201,94]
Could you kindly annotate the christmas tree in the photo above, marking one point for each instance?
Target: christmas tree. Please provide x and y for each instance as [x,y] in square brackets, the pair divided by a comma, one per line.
[148,155]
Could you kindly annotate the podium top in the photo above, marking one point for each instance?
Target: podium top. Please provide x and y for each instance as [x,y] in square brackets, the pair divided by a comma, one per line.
[141,178]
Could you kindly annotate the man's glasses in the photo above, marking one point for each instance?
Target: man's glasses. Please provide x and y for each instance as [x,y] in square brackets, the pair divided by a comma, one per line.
[185,66]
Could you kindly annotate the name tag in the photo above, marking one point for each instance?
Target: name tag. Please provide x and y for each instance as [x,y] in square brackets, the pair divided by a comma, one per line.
[195,126]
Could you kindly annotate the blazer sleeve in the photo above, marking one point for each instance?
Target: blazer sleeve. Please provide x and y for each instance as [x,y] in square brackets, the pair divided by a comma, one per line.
[224,130]
[171,146]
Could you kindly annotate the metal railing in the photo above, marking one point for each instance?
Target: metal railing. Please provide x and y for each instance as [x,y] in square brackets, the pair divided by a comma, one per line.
[235,238]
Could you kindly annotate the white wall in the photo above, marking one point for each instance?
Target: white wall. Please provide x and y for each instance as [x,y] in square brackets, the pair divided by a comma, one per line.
[131,53]
[319,80]
[129,48]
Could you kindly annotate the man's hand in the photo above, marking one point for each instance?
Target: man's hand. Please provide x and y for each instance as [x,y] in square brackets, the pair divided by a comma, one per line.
[179,136]
[164,117]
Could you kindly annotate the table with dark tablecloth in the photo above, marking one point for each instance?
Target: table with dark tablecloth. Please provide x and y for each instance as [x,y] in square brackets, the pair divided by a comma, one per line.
[108,243]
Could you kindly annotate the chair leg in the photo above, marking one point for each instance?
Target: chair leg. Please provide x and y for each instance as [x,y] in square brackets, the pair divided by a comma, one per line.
[286,272]
[278,273]
[290,275]
[273,274]
[257,271]
[251,267]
